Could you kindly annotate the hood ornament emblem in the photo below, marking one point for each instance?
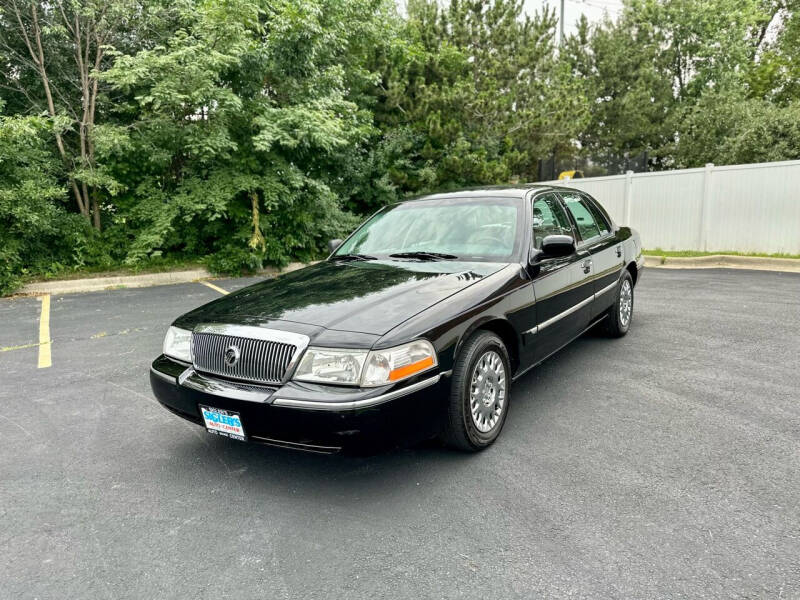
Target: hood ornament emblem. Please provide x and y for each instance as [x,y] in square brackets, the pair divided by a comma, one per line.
[231,356]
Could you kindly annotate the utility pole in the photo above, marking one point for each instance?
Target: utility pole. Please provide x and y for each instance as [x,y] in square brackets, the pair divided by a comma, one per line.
[561,25]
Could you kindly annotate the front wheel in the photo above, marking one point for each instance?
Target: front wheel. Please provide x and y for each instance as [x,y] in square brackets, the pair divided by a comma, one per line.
[620,314]
[479,395]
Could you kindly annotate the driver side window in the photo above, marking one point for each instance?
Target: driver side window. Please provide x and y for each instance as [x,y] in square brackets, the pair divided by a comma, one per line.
[549,218]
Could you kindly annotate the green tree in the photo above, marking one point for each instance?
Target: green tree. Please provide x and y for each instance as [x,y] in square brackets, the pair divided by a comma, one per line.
[470,93]
[36,233]
[650,72]
[238,116]
[631,96]
[726,127]
[53,52]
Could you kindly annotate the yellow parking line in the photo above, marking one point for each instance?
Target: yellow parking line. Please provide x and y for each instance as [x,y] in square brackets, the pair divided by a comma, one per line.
[44,333]
[216,288]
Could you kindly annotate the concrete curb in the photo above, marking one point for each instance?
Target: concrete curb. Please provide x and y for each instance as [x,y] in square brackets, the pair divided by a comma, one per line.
[97,284]
[725,261]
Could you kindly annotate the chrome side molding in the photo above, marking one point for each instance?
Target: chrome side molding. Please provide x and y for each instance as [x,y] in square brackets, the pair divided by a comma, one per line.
[305,447]
[566,313]
[606,289]
[570,310]
[193,380]
[364,403]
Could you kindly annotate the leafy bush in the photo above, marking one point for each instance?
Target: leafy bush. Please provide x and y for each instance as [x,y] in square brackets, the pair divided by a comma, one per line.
[37,234]
[233,261]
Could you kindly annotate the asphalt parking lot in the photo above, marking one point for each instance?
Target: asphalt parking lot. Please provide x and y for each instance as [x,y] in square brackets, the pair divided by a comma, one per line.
[665,464]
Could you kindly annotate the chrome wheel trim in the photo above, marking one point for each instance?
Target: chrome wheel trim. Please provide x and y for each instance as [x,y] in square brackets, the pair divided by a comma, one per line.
[487,391]
[625,303]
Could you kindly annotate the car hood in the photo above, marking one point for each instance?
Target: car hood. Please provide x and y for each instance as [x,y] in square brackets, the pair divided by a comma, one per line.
[369,297]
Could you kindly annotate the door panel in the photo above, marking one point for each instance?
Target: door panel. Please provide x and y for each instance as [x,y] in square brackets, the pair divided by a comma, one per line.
[562,286]
[608,261]
[601,243]
[564,296]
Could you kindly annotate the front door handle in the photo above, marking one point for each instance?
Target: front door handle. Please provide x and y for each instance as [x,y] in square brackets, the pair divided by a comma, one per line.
[587,265]
[619,251]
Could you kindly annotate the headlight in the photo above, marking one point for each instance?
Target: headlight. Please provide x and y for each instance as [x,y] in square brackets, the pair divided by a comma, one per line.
[367,369]
[178,344]
[398,363]
[326,365]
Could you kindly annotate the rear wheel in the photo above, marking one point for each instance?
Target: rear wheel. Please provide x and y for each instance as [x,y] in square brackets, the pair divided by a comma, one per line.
[479,395]
[620,314]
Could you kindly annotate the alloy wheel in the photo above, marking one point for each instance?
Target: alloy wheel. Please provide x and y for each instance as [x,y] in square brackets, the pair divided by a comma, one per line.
[488,391]
[625,303]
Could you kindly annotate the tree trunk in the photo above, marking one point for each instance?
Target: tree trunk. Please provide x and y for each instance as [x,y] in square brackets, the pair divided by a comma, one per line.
[92,100]
[82,48]
[95,211]
[257,241]
[37,55]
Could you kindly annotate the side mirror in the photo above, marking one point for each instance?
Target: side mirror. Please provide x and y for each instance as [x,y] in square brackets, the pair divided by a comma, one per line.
[556,246]
[333,245]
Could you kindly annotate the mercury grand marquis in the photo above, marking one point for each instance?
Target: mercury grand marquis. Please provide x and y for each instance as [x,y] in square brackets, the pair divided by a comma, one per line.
[415,326]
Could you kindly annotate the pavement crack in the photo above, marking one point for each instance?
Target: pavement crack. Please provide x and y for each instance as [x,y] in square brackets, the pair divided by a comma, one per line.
[17,424]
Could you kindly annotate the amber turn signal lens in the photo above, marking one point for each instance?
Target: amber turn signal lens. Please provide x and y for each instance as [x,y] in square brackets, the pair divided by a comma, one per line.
[407,370]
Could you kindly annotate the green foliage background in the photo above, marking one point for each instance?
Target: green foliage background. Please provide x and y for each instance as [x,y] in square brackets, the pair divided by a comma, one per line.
[243,133]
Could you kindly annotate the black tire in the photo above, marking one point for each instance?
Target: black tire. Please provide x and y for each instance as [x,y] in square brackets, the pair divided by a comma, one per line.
[614,325]
[461,431]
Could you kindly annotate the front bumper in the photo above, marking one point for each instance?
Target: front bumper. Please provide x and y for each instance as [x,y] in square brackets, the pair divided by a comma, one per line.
[313,417]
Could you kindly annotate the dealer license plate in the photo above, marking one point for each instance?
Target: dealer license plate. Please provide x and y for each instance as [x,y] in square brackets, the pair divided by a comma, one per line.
[223,422]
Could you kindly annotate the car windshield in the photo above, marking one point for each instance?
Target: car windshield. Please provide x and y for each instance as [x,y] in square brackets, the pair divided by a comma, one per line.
[465,228]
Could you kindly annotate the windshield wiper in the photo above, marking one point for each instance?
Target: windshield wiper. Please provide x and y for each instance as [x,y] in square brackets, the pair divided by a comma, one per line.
[354,257]
[424,255]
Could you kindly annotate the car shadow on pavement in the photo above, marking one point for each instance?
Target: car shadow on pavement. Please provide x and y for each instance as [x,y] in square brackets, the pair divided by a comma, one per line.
[279,474]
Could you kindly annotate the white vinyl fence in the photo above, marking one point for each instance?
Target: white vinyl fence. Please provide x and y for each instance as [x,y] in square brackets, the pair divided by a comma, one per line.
[744,208]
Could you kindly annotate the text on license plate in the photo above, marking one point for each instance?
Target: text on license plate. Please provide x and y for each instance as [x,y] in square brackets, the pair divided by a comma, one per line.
[223,422]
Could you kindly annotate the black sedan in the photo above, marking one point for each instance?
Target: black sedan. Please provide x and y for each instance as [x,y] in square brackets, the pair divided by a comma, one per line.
[415,326]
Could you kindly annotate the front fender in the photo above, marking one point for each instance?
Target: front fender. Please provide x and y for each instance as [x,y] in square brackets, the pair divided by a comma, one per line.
[502,327]
[504,298]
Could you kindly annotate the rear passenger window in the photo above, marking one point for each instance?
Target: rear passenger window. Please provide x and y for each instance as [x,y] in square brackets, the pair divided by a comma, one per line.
[599,216]
[583,212]
[549,218]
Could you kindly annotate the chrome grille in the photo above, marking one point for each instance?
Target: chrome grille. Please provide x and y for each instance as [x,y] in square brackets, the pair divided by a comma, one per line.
[261,361]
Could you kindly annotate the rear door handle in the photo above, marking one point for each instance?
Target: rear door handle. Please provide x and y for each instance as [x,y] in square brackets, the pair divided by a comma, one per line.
[619,251]
[587,265]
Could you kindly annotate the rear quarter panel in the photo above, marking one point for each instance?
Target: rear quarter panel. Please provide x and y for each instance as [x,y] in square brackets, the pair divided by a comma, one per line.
[632,246]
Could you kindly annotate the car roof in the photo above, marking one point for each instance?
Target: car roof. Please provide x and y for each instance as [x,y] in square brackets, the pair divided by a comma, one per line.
[497,191]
